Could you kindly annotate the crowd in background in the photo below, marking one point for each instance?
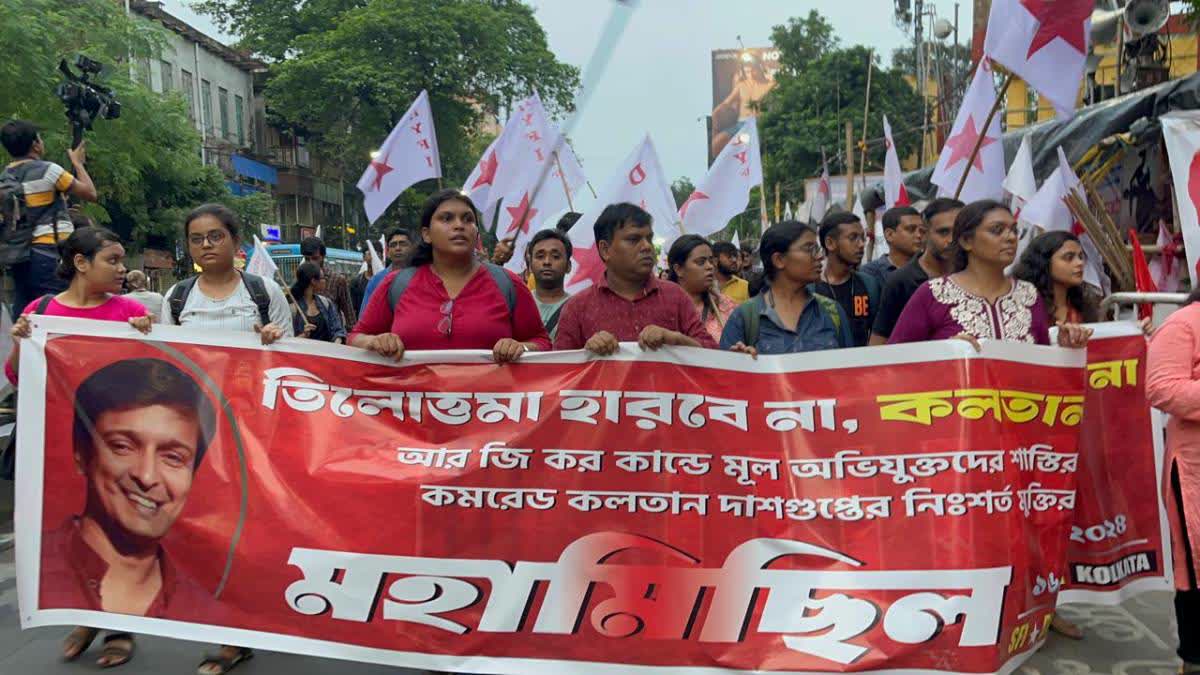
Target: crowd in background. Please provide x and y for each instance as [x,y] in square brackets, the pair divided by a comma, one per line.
[950,272]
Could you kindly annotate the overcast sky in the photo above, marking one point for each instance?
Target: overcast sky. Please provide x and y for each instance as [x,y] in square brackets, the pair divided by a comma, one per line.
[660,78]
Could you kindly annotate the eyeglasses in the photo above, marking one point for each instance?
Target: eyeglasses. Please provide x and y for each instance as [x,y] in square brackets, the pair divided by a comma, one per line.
[446,325]
[214,237]
[813,250]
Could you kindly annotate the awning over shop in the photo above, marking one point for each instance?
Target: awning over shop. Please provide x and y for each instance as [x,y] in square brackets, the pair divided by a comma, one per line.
[244,166]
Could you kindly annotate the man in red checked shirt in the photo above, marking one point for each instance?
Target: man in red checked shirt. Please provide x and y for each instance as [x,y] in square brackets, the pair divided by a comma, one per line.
[629,304]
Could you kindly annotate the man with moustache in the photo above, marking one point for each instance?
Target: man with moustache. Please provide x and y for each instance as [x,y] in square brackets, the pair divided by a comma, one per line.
[844,240]
[629,303]
[904,230]
[935,261]
[548,259]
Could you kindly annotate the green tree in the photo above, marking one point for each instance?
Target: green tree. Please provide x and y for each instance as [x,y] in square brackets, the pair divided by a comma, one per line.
[802,41]
[146,165]
[253,209]
[681,189]
[806,112]
[344,71]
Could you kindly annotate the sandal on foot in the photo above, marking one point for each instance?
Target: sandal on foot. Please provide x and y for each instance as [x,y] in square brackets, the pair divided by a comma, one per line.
[116,655]
[224,663]
[77,642]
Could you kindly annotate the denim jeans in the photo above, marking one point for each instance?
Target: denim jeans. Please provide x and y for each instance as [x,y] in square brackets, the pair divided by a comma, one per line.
[36,277]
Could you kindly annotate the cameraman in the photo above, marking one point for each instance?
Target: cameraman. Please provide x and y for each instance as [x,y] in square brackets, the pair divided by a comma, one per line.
[46,185]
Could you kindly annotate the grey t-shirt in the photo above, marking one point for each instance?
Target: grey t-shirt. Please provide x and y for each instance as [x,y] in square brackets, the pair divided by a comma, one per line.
[153,302]
[547,310]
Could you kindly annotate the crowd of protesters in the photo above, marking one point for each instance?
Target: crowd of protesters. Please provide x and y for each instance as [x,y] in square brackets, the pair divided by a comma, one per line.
[803,288]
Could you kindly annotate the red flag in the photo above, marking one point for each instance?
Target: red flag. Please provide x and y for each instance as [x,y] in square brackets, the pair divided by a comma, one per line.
[1141,275]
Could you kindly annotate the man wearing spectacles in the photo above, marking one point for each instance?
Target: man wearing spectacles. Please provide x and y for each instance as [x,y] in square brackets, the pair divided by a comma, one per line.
[400,247]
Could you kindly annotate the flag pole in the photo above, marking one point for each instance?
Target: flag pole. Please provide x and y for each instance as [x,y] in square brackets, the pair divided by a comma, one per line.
[862,156]
[566,190]
[1008,78]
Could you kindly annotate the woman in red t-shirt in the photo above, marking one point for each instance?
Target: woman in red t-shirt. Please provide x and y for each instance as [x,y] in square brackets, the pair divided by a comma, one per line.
[451,300]
[92,260]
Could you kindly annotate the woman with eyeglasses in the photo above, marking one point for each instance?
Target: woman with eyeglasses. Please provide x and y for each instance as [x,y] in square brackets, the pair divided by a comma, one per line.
[448,299]
[787,317]
[221,297]
[978,301]
[315,316]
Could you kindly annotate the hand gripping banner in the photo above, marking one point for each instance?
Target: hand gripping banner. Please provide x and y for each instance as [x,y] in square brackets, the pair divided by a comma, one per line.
[895,509]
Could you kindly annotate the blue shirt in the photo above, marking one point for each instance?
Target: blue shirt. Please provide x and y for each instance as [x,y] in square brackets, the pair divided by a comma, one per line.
[879,269]
[815,330]
[375,281]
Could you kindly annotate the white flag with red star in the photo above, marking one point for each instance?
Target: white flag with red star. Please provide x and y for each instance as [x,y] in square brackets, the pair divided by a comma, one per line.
[479,184]
[1181,130]
[530,183]
[985,172]
[1045,43]
[894,191]
[641,181]
[725,191]
[409,155]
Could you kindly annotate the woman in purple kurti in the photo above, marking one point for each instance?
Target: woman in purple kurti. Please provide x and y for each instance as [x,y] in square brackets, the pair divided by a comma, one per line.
[978,301]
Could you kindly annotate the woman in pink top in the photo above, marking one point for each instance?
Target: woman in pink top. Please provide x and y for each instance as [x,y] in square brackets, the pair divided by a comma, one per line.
[451,300]
[1173,386]
[92,259]
[692,265]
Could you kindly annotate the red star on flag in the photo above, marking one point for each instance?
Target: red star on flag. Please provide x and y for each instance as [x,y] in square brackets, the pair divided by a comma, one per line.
[381,169]
[694,197]
[962,144]
[521,215]
[1059,19]
[823,187]
[487,171]
[588,265]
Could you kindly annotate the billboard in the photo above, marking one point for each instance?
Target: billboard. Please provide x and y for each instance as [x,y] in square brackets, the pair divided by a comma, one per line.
[740,78]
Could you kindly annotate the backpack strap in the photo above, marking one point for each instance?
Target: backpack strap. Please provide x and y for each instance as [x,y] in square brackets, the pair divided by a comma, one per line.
[178,298]
[258,293]
[399,284]
[505,282]
[43,303]
[750,317]
[830,307]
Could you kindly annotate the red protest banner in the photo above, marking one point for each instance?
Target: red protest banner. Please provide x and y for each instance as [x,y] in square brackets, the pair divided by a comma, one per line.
[1120,541]
[679,512]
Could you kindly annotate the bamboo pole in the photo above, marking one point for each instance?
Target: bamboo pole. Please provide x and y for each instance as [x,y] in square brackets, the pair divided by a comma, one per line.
[1008,78]
[862,155]
[849,165]
[566,190]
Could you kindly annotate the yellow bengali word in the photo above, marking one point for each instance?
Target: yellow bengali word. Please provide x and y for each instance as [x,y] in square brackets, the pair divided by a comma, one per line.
[1115,374]
[1001,405]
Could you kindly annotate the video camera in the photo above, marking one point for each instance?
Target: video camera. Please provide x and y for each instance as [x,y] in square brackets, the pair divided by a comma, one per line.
[86,101]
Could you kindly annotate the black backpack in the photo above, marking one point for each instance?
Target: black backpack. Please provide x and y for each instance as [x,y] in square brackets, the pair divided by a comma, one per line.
[254,284]
[16,230]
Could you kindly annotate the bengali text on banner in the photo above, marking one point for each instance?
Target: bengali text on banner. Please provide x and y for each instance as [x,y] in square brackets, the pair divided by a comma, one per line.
[902,509]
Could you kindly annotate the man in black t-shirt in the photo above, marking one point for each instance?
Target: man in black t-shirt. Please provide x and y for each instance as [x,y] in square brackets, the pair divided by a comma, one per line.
[844,240]
[935,261]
